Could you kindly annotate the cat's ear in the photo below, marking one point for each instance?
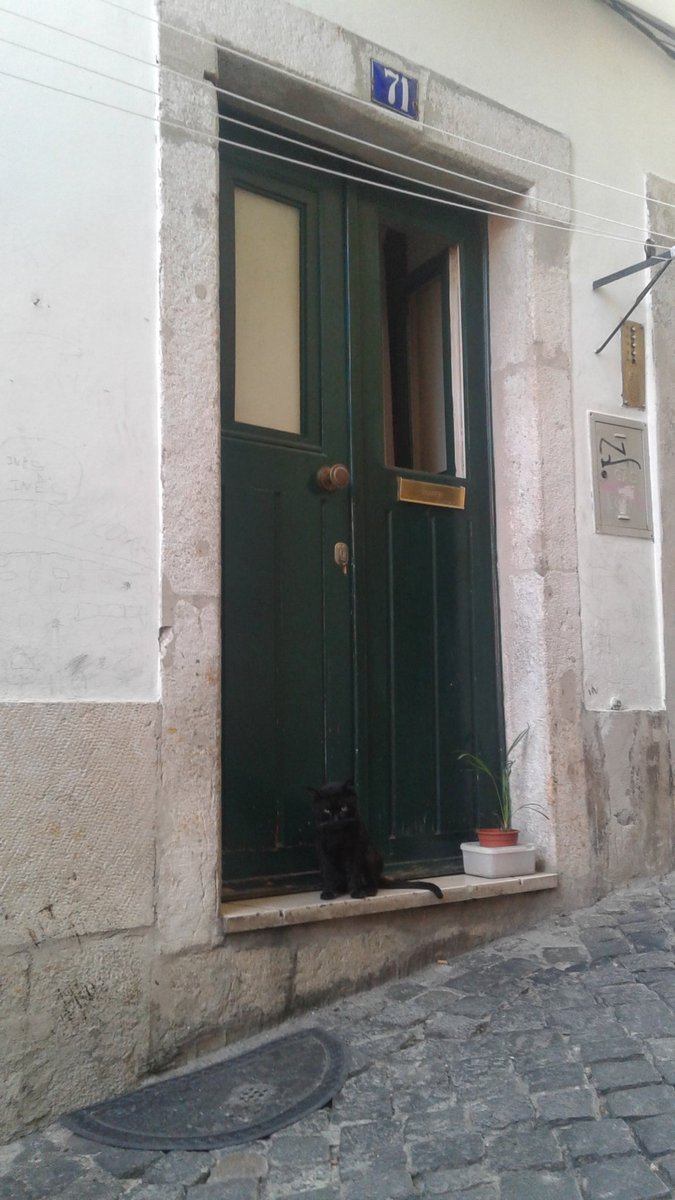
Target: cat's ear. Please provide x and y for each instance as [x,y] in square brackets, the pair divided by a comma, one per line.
[314,792]
[348,787]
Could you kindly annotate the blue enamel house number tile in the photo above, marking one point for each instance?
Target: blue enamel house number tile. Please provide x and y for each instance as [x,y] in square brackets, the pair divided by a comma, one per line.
[393,89]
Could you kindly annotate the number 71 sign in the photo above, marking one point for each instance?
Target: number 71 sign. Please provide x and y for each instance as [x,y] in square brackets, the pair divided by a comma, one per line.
[393,90]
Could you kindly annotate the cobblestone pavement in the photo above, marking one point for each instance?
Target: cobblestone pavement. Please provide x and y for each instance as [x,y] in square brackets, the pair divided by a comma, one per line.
[542,1065]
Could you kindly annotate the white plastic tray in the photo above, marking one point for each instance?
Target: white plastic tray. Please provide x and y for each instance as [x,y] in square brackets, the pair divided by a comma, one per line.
[498,862]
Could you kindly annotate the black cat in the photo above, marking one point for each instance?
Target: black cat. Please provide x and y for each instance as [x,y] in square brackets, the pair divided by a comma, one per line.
[348,860]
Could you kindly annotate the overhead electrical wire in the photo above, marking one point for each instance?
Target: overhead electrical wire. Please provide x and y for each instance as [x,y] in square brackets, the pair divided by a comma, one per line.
[483,210]
[315,125]
[66,62]
[51,87]
[79,37]
[200,37]
[509,208]
[325,129]
[317,84]
[421,162]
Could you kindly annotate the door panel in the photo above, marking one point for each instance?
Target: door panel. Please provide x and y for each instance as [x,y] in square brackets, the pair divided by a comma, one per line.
[287,628]
[426,608]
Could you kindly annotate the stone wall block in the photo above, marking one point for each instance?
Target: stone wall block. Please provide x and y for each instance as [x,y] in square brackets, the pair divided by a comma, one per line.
[202,999]
[189,280]
[188,857]
[294,37]
[520,542]
[631,784]
[567,777]
[479,123]
[86,777]
[14,975]
[87,1024]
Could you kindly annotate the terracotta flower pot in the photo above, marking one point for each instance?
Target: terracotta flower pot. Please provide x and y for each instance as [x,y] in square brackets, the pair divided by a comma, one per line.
[498,837]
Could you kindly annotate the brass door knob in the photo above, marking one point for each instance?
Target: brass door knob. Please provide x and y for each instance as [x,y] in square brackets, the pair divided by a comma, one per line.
[330,479]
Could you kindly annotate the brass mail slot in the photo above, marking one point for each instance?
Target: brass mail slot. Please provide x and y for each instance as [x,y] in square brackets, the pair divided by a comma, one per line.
[415,491]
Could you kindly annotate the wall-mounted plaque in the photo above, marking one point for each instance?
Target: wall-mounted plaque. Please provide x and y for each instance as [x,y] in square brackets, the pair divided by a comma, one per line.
[633,364]
[620,464]
[392,89]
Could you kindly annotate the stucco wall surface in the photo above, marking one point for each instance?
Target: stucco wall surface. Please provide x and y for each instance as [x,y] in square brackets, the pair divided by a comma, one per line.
[79,511]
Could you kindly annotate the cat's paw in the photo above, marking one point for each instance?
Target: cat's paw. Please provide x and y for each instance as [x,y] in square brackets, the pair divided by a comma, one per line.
[358,894]
[328,895]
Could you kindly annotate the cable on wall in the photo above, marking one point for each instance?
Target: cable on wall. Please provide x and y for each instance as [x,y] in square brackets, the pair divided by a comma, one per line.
[213,43]
[66,62]
[484,209]
[335,132]
[316,125]
[77,36]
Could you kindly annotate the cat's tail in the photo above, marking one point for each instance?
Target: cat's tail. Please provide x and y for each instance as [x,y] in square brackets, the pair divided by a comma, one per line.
[412,883]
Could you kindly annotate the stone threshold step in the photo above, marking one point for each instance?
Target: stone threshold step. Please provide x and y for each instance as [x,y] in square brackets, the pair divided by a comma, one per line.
[271,912]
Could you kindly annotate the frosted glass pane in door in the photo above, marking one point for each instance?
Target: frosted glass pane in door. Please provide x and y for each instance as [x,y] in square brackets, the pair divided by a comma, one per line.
[267,312]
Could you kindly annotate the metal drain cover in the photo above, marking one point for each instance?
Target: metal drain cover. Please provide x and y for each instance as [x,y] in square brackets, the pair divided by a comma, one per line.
[227,1104]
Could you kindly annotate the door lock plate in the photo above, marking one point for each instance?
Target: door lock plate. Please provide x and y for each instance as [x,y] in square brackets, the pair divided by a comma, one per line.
[341,554]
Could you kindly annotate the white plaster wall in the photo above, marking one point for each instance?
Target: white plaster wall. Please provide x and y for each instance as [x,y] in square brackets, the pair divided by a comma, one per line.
[79,491]
[569,70]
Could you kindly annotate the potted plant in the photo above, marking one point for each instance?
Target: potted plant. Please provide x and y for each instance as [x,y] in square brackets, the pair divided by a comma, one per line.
[502,832]
[502,835]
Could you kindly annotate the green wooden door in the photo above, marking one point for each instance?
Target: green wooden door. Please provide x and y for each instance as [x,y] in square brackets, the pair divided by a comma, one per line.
[385,671]
[426,613]
[287,627]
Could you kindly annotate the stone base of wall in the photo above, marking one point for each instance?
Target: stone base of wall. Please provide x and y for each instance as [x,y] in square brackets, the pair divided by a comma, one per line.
[628,795]
[83,1019]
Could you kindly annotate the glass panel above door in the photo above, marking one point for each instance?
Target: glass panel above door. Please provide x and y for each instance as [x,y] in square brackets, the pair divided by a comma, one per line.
[422,353]
[267,238]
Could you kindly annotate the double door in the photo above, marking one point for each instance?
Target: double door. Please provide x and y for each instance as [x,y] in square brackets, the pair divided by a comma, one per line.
[358,571]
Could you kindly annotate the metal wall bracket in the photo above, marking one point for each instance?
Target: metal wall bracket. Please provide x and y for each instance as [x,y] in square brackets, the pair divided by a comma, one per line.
[664,256]
[650,261]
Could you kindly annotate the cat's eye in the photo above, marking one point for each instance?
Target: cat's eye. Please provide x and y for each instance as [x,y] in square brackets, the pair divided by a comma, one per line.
[345,808]
[326,812]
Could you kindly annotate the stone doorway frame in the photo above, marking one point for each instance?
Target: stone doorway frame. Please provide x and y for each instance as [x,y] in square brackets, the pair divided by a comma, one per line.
[530,377]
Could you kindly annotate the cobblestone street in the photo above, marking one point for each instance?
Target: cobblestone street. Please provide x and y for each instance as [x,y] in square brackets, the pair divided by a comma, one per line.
[542,1065]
